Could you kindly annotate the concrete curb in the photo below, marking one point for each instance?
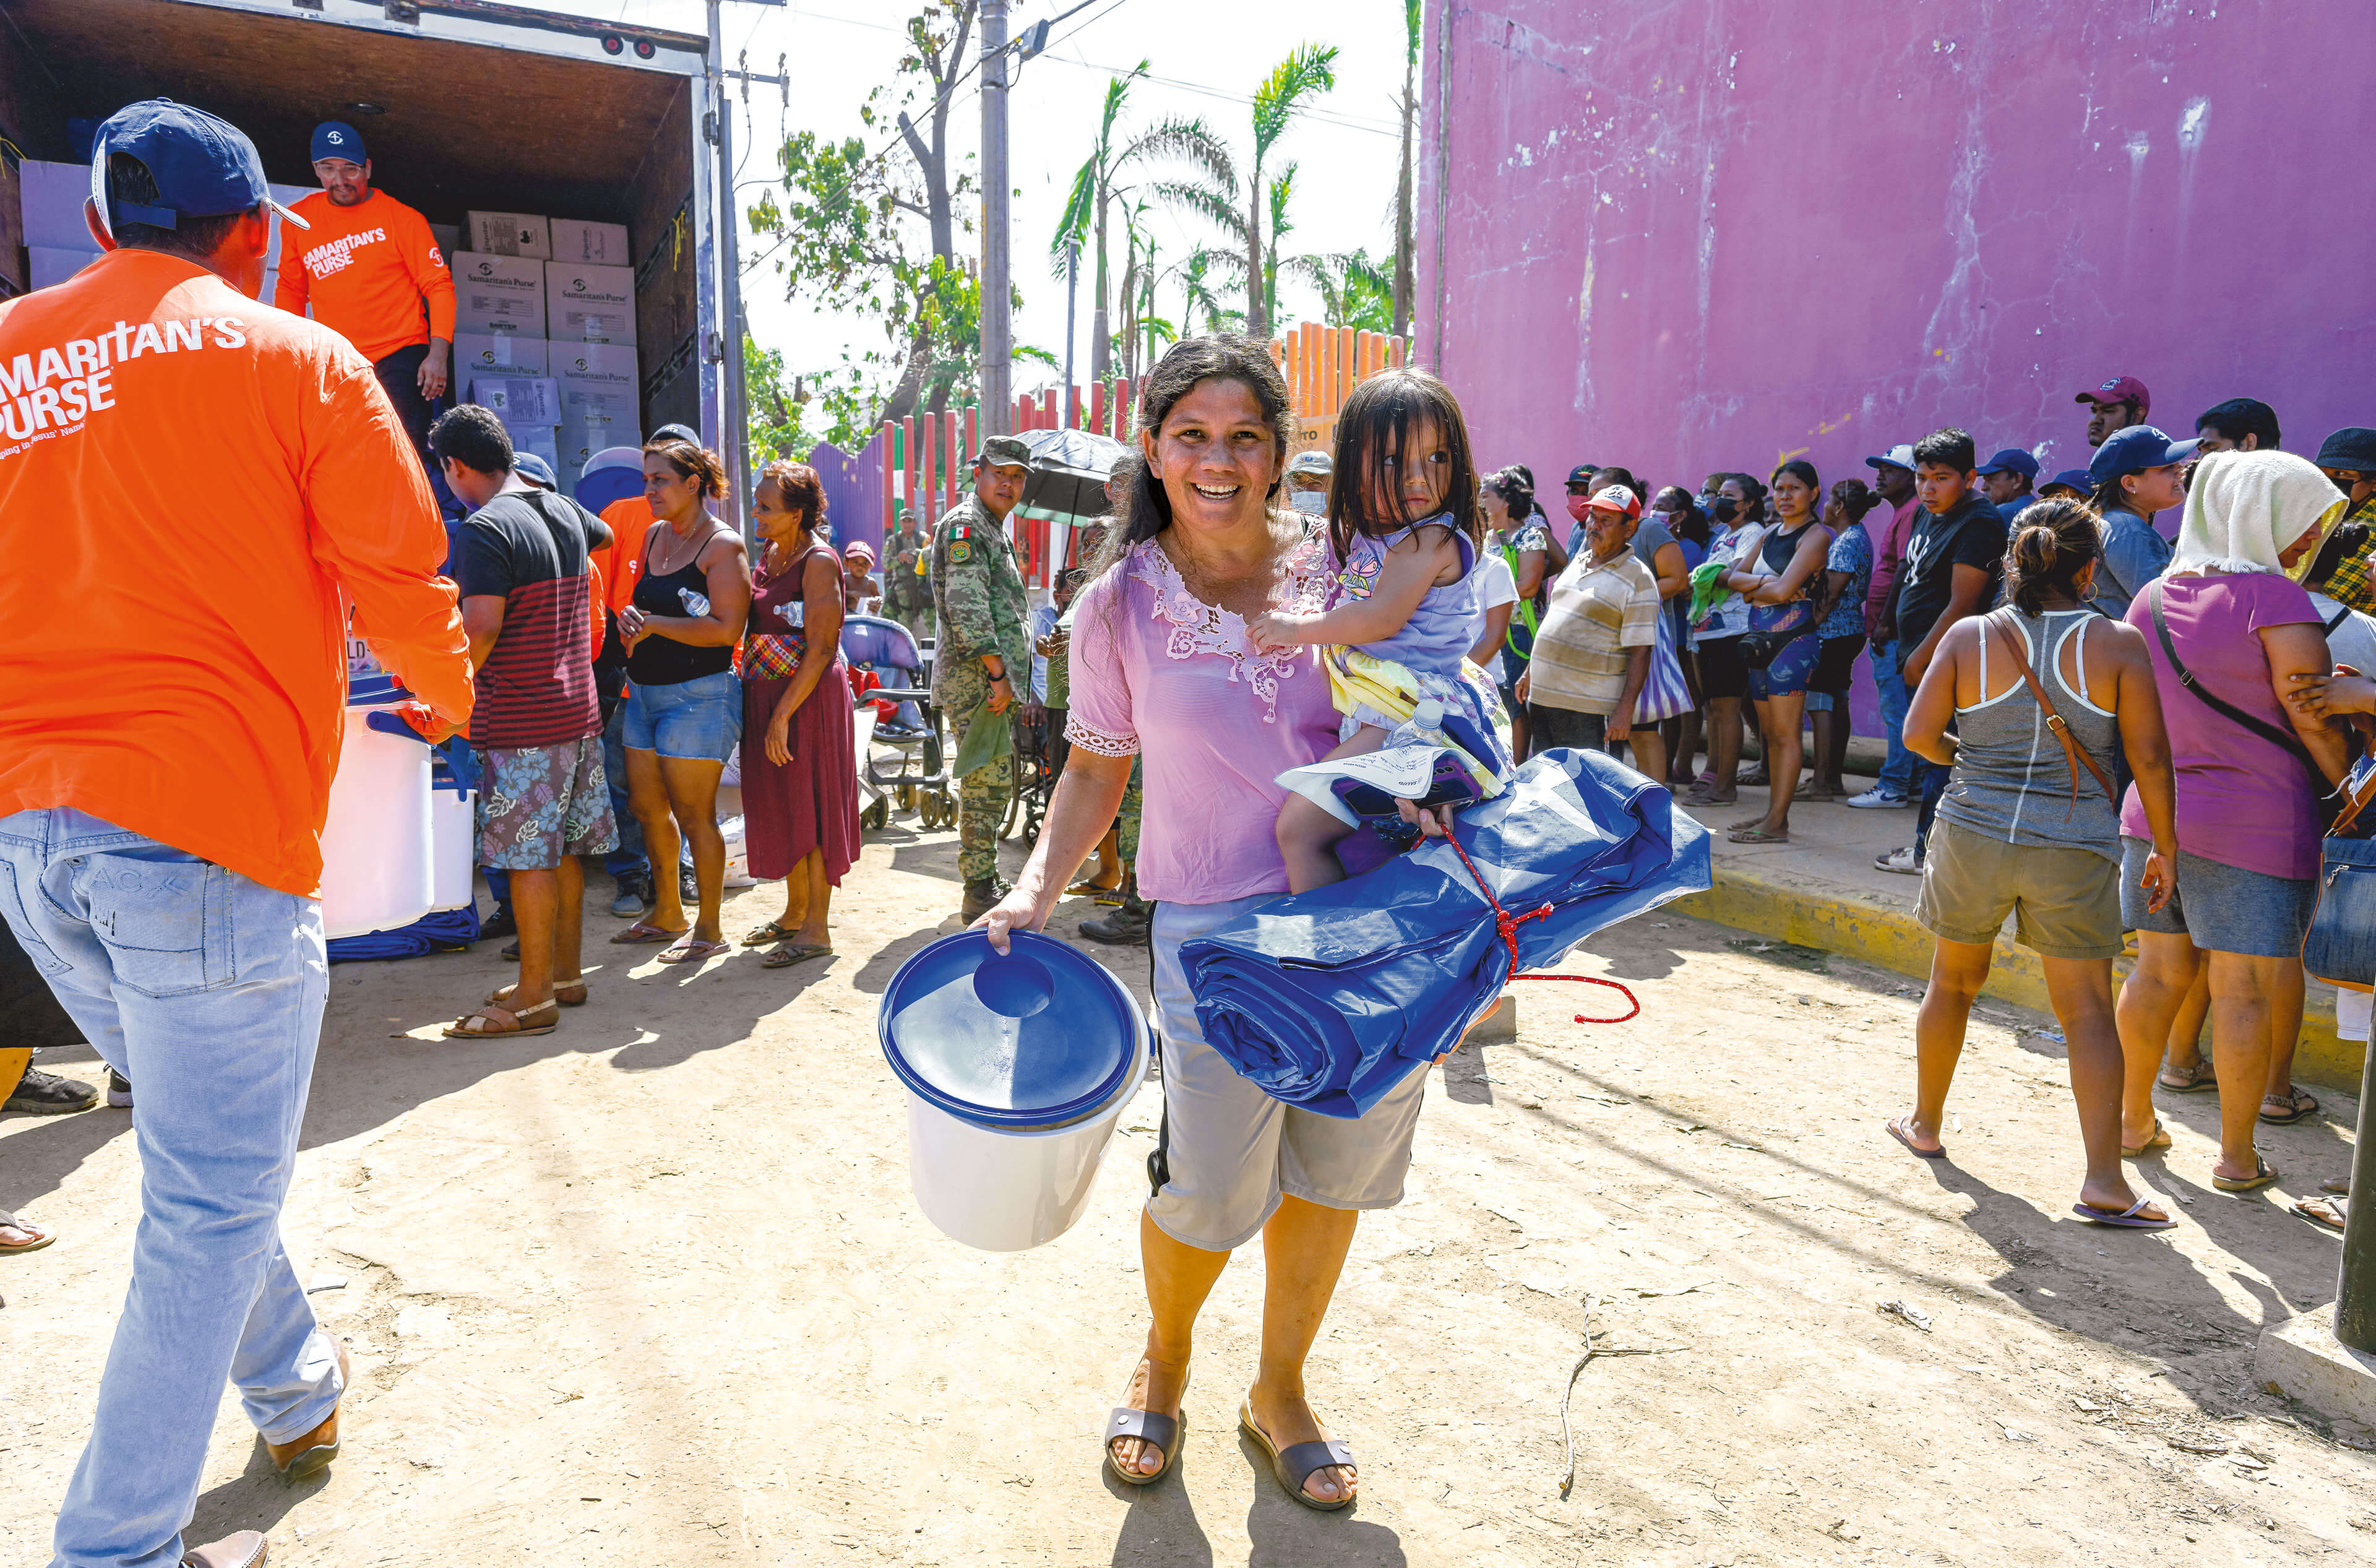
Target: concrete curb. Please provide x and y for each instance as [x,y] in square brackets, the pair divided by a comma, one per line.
[1874,931]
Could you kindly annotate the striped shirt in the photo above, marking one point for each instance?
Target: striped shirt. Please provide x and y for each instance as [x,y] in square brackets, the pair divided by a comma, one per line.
[1597,613]
[537,686]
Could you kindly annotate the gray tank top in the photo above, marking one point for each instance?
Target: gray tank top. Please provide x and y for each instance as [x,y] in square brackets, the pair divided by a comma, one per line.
[2012,782]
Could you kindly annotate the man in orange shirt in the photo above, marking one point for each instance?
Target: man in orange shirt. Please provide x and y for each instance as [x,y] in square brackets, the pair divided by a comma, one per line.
[374,276]
[168,732]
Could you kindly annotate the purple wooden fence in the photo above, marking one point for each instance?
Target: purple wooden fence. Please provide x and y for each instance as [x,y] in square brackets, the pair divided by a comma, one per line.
[853,491]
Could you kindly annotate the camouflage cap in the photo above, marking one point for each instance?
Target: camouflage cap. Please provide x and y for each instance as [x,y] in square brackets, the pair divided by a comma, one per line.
[1003,450]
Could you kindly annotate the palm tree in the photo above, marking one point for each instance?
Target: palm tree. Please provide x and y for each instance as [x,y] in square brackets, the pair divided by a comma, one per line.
[1307,72]
[1354,291]
[1199,303]
[1402,231]
[1083,219]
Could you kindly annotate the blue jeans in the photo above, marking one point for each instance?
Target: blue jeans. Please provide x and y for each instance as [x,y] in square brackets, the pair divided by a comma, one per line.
[205,990]
[1933,777]
[1897,769]
[628,859]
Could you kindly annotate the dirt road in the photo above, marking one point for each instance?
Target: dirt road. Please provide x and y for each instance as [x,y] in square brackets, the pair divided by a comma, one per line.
[651,1290]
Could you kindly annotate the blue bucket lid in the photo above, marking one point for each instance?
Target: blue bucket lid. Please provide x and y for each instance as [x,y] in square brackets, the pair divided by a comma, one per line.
[374,690]
[1040,1037]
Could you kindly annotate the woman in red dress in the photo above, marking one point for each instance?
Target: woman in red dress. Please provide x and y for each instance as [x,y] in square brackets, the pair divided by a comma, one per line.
[800,770]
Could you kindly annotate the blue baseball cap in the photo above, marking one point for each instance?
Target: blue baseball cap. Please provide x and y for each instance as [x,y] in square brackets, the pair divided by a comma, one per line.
[2012,459]
[2135,450]
[1899,457]
[203,167]
[336,138]
[534,470]
[2078,481]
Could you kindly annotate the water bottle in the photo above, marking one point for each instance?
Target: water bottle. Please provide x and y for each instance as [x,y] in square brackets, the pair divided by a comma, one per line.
[1424,727]
[695,605]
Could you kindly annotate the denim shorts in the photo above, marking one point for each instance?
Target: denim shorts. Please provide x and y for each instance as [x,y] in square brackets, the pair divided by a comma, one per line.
[2221,909]
[696,720]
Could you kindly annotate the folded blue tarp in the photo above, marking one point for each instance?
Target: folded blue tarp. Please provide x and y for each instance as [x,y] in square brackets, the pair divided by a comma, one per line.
[441,931]
[1328,999]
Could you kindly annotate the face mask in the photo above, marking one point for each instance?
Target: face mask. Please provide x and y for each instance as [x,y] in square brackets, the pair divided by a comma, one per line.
[1311,503]
[1724,509]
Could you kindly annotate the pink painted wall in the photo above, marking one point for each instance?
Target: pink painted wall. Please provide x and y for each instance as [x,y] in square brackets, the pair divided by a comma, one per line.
[1702,234]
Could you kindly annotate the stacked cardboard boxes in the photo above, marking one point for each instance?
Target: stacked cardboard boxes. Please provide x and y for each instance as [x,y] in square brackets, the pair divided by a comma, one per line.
[552,300]
[57,241]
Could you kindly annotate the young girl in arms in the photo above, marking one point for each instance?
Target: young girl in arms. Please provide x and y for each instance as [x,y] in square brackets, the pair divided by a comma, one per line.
[1403,535]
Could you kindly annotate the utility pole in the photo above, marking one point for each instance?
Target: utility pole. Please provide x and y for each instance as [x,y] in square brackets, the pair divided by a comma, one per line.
[997,318]
[735,437]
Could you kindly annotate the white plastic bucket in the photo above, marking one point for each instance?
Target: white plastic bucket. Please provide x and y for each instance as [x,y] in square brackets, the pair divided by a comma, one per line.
[376,866]
[1004,1191]
[1017,1068]
[452,848]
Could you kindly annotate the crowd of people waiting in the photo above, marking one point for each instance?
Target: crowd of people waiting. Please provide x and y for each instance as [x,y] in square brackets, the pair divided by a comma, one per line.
[2104,725]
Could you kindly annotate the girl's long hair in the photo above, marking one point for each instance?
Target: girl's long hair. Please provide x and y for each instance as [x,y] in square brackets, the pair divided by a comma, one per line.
[1371,430]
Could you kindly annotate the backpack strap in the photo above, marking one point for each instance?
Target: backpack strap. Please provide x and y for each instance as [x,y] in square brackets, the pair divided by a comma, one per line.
[2075,755]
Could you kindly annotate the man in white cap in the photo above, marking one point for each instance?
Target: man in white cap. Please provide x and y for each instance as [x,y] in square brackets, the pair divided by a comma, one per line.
[1893,481]
[1307,482]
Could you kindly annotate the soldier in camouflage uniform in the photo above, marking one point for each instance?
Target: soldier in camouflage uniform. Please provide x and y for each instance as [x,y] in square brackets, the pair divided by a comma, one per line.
[907,595]
[985,646]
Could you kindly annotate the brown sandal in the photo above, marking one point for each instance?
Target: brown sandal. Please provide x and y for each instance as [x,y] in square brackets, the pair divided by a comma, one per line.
[493,1022]
[571,994]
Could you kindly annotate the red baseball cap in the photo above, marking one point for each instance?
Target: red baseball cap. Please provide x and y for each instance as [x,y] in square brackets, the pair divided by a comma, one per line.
[2120,389]
[1616,498]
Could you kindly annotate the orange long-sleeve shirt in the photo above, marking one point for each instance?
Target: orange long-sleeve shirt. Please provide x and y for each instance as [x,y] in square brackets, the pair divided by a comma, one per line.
[631,518]
[372,271]
[190,483]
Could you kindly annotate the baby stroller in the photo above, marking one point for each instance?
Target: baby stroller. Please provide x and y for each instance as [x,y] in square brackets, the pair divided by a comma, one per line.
[1034,778]
[905,758]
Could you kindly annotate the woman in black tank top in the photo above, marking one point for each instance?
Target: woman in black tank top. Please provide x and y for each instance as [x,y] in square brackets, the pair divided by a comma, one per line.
[684,712]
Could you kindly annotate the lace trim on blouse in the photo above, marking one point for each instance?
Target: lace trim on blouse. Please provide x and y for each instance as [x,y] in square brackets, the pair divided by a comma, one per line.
[1198,627]
[1098,741]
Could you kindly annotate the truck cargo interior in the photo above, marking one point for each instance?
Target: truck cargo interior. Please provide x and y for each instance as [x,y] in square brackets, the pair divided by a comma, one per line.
[471,107]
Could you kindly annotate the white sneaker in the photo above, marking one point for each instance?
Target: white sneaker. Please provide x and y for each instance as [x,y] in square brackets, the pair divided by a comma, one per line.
[1877,798]
[1899,859]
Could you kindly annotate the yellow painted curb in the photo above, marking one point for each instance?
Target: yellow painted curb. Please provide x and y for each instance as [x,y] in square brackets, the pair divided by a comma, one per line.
[1857,925]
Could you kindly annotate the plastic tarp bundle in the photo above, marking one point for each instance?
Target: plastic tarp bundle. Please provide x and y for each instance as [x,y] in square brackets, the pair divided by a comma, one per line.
[445,930]
[1326,1000]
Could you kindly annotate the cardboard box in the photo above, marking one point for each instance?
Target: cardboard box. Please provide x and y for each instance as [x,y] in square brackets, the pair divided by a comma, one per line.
[599,386]
[55,264]
[539,439]
[580,442]
[479,353]
[579,242]
[498,294]
[518,399]
[510,233]
[589,305]
[53,195]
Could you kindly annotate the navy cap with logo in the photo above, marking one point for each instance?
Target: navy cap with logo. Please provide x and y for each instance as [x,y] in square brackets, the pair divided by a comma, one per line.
[2078,481]
[336,138]
[203,167]
[2012,459]
[2135,450]
[534,470]
[1580,477]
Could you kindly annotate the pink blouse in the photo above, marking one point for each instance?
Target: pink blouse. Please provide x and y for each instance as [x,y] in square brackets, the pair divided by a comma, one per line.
[1158,672]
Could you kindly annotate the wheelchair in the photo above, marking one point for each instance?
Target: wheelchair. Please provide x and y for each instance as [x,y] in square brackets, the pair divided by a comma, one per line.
[1035,780]
[908,759]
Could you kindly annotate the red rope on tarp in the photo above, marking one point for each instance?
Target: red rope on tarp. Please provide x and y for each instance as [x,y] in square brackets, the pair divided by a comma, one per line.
[1507,925]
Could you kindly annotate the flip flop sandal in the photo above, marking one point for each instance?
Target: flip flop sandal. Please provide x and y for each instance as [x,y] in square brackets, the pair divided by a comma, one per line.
[2200,1079]
[2130,1219]
[1899,1134]
[1712,798]
[785,958]
[570,995]
[2156,1139]
[770,933]
[2327,1214]
[692,952]
[1295,1465]
[42,1238]
[1147,1426]
[2303,1106]
[1756,836]
[642,935]
[2260,1178]
[502,1023]
[1086,889]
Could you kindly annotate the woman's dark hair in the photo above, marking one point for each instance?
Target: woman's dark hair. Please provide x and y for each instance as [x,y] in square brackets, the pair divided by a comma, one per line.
[2347,541]
[1804,472]
[1223,356]
[2052,542]
[1516,491]
[1371,426]
[801,489]
[2240,417]
[1752,498]
[1680,505]
[1855,498]
[698,464]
